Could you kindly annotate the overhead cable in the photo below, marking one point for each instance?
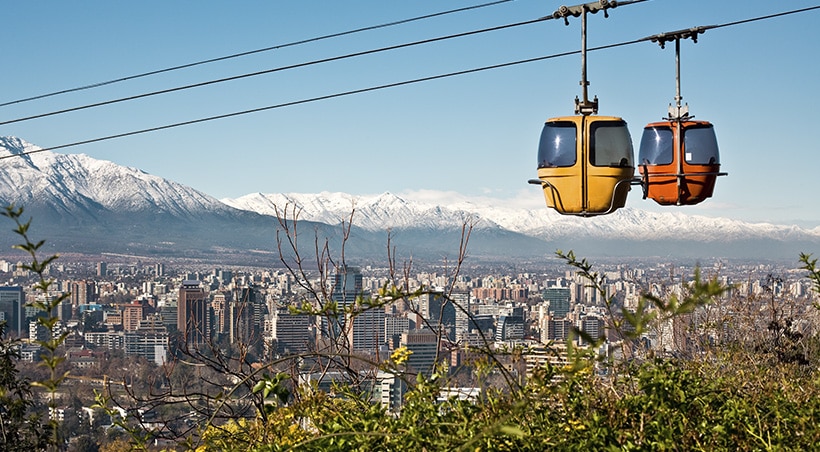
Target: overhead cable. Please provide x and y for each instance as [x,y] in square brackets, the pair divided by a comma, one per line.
[703,28]
[293,66]
[277,69]
[251,52]
[313,99]
[374,88]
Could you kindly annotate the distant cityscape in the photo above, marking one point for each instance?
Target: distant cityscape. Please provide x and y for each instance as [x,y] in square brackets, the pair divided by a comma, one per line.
[150,310]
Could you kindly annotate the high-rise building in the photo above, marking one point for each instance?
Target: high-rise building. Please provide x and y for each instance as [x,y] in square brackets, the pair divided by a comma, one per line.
[461,302]
[193,313]
[102,269]
[82,292]
[389,391]
[12,300]
[510,327]
[366,330]
[437,311]
[558,299]
[347,286]
[219,304]
[290,332]
[593,325]
[169,314]
[131,316]
[242,323]
[149,340]
[424,347]
[557,329]
[394,325]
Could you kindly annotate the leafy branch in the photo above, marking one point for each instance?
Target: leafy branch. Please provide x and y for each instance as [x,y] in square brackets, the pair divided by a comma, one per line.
[51,358]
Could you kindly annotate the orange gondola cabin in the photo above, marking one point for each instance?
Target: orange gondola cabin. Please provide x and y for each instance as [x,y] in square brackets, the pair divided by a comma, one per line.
[679,161]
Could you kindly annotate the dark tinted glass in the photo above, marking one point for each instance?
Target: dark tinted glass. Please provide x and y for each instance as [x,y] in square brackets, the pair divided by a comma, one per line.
[557,145]
[611,144]
[700,145]
[656,146]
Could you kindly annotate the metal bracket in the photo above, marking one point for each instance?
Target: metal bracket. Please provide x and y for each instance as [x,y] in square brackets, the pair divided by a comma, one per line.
[688,33]
[575,11]
[586,107]
[677,112]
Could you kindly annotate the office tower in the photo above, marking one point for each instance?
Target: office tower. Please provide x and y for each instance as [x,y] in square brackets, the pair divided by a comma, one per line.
[510,327]
[225,276]
[437,311]
[12,300]
[102,269]
[593,325]
[193,313]
[366,330]
[244,317]
[424,345]
[484,323]
[290,332]
[558,299]
[82,292]
[394,325]
[558,329]
[347,286]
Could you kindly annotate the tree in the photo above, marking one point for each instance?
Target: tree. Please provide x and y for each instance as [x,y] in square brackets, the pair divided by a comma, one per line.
[20,429]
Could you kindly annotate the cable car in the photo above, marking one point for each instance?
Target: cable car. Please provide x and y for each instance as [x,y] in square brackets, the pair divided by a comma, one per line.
[585,164]
[679,161]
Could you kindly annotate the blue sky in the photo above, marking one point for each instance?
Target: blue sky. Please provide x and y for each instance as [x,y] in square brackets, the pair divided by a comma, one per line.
[475,135]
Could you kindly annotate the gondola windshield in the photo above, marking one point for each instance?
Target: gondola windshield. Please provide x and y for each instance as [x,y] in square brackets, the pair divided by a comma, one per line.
[557,145]
[611,144]
[657,146]
[700,145]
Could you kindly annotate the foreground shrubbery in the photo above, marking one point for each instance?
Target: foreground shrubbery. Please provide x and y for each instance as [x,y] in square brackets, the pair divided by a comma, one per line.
[658,405]
[745,394]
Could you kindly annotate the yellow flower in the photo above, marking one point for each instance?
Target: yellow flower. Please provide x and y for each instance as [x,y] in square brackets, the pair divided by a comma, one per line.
[400,355]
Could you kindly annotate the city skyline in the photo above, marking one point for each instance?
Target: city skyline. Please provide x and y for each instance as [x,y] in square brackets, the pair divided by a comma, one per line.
[473,135]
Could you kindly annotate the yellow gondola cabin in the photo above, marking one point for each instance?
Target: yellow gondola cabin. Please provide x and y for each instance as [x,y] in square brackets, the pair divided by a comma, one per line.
[585,164]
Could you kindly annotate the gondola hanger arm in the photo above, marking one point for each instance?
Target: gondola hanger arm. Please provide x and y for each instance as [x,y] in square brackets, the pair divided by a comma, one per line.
[575,11]
[686,33]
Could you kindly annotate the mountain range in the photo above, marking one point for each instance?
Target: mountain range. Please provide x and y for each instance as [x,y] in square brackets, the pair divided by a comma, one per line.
[84,205]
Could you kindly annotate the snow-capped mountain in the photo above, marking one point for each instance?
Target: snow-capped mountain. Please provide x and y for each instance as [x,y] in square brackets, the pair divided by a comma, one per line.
[81,204]
[87,205]
[389,211]
[374,213]
[77,181]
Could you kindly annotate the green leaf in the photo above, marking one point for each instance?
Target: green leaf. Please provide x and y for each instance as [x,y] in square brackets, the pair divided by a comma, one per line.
[512,431]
